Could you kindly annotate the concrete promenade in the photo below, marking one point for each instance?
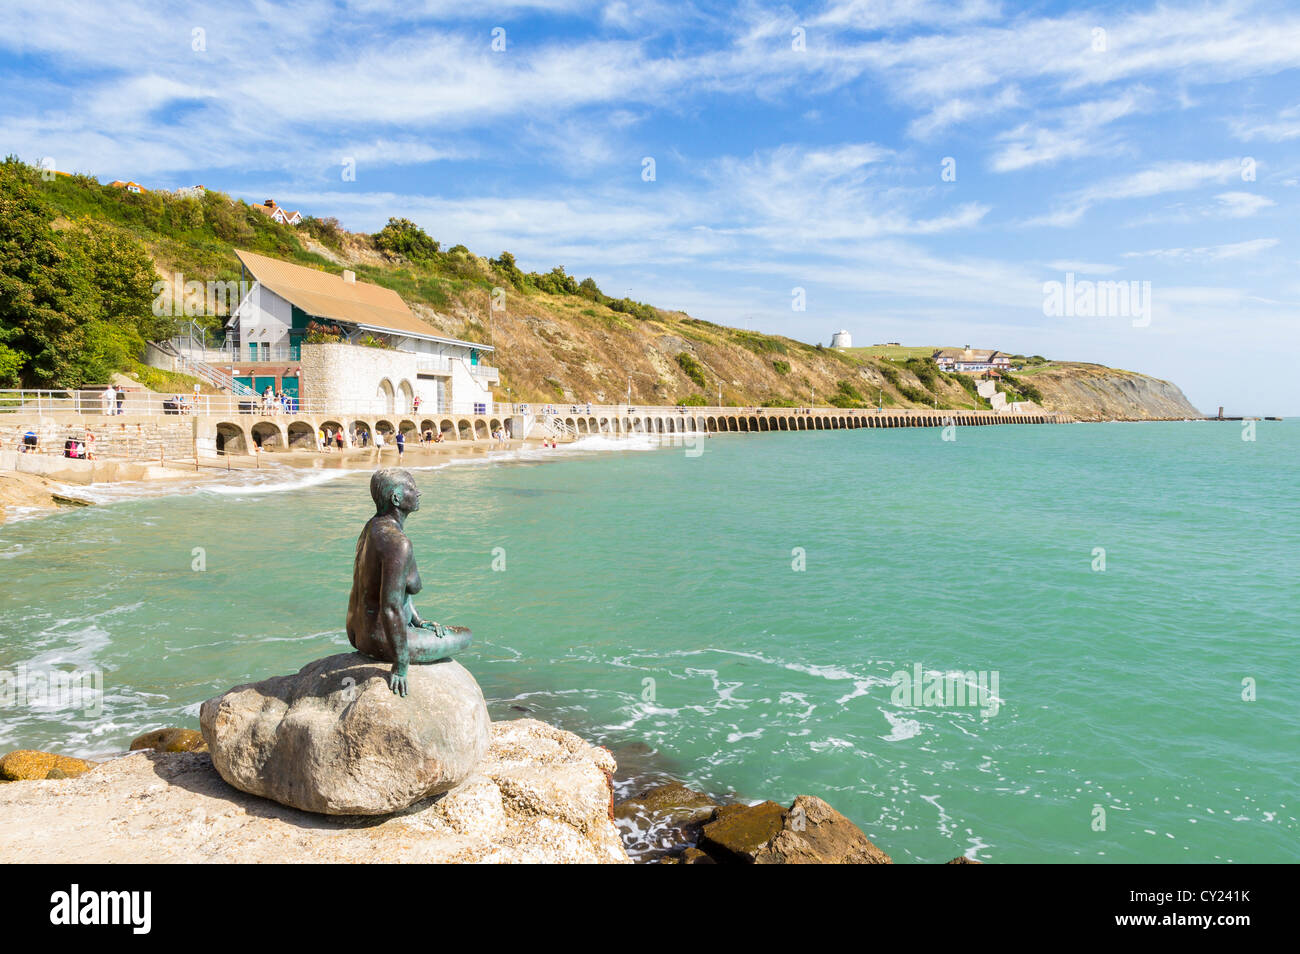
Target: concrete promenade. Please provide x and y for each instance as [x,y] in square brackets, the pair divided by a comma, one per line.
[143,432]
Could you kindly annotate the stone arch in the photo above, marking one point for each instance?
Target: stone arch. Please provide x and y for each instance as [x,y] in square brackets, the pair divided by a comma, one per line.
[231,439]
[268,435]
[480,429]
[387,399]
[331,428]
[362,430]
[405,396]
[302,436]
[447,429]
[407,427]
[465,430]
[386,428]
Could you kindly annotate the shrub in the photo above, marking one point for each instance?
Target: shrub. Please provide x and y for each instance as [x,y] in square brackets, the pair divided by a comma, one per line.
[326,231]
[1021,386]
[693,400]
[781,367]
[403,237]
[692,368]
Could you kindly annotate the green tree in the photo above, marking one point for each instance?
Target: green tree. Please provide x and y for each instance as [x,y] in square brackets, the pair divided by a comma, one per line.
[40,303]
[506,267]
[403,237]
[74,304]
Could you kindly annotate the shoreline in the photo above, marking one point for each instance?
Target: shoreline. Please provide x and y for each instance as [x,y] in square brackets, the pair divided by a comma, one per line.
[26,495]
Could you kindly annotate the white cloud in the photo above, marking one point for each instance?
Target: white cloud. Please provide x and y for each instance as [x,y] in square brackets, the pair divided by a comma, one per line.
[1284,127]
[1070,134]
[1209,253]
[1154,180]
[1240,205]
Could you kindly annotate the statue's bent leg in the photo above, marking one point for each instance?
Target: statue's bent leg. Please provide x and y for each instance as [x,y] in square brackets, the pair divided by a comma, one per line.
[425,646]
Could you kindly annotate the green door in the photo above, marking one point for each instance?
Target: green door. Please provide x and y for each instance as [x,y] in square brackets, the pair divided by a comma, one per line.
[290,387]
[261,384]
[245,379]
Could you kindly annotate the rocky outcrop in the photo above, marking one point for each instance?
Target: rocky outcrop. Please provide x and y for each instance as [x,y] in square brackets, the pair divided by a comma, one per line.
[1091,392]
[809,832]
[539,795]
[28,764]
[334,738]
[658,820]
[170,740]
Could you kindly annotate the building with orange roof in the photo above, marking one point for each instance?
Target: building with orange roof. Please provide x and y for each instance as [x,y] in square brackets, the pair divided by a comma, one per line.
[333,341]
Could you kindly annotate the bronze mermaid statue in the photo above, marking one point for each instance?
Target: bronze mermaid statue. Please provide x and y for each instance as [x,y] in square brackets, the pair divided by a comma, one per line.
[382,621]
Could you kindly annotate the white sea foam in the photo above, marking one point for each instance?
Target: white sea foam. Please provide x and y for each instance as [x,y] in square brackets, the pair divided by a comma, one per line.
[274,485]
[902,728]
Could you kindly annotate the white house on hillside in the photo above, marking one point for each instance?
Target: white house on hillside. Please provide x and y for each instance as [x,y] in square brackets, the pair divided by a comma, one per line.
[270,329]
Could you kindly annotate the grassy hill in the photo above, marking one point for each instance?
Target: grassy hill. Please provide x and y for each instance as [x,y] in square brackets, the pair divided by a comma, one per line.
[557,338]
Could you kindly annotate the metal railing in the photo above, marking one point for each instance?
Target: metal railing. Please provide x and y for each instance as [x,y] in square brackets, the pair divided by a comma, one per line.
[136,403]
[39,403]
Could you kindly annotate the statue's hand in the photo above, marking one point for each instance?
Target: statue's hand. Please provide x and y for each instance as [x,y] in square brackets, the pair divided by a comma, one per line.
[436,628]
[397,682]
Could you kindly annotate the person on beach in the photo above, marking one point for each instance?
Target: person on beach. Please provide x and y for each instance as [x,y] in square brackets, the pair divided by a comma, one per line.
[338,439]
[400,440]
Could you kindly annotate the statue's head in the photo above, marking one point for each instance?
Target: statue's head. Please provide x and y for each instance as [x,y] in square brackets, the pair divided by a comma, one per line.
[394,489]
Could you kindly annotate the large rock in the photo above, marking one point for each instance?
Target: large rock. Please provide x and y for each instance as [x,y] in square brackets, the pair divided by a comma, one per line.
[540,795]
[662,819]
[334,739]
[809,832]
[28,765]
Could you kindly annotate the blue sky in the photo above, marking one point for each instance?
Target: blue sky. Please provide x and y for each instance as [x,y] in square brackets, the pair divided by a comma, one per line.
[794,146]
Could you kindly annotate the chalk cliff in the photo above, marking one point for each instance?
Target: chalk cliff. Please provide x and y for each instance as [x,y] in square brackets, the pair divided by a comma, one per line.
[1092,392]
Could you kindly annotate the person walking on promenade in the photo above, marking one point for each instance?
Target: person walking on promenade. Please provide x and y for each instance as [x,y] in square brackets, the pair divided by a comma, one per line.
[121,396]
[109,395]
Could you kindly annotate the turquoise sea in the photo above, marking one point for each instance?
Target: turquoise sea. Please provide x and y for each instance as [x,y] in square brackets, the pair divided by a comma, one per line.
[735,614]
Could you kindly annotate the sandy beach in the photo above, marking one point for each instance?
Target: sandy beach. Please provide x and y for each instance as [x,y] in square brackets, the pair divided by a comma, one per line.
[27,495]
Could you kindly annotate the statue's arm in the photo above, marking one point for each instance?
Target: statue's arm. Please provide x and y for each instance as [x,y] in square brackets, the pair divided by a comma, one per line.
[393,610]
